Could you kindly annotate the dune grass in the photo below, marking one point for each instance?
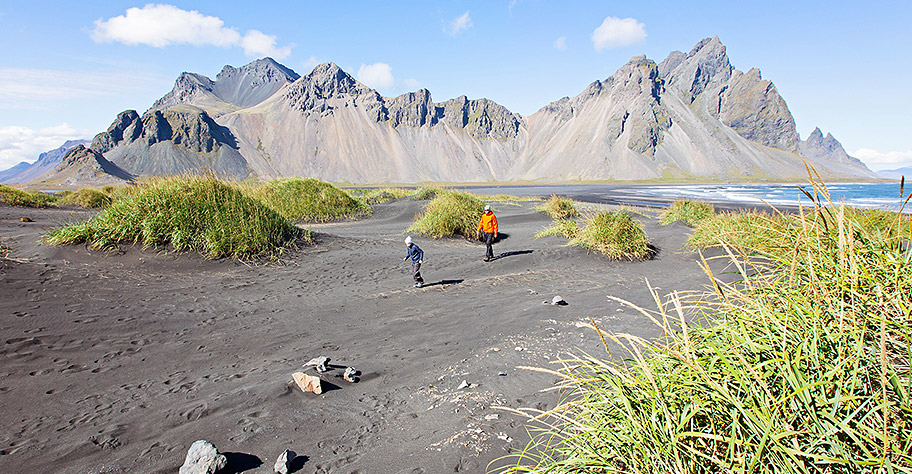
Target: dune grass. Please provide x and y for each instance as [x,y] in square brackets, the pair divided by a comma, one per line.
[379,195]
[559,207]
[198,213]
[428,192]
[20,198]
[560,228]
[689,212]
[88,198]
[307,199]
[449,214]
[803,366]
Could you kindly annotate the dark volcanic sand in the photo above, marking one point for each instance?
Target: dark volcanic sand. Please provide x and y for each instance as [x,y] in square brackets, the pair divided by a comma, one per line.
[118,362]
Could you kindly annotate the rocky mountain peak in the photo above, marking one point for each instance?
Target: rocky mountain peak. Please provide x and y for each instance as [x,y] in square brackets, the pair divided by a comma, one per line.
[328,86]
[706,64]
[825,148]
[265,70]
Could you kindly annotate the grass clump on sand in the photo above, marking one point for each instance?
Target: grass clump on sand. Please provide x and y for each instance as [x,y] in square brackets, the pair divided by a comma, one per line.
[561,228]
[689,212]
[307,199]
[427,192]
[450,213]
[380,195]
[803,366]
[559,207]
[87,198]
[188,213]
[20,198]
[611,233]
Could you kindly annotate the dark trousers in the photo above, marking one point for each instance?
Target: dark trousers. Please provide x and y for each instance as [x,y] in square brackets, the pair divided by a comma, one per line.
[416,273]
[489,239]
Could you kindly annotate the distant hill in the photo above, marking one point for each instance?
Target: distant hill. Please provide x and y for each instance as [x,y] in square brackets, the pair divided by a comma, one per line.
[897,173]
[692,116]
[46,162]
[13,171]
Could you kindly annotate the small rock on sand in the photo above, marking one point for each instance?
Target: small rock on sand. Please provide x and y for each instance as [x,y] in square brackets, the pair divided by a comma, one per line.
[463,385]
[351,374]
[283,463]
[25,219]
[492,416]
[320,363]
[307,383]
[203,458]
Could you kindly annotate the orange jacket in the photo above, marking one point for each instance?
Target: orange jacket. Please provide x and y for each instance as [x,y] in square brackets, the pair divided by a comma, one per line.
[488,223]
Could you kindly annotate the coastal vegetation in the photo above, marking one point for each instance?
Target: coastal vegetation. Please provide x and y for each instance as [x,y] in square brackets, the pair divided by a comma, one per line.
[611,233]
[689,212]
[88,198]
[371,196]
[306,199]
[20,198]
[197,213]
[800,366]
[448,214]
[559,207]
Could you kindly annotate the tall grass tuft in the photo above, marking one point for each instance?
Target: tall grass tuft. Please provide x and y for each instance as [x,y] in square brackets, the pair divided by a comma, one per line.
[747,231]
[450,213]
[803,366]
[614,234]
[307,199]
[379,195]
[559,207]
[20,198]
[427,192]
[87,198]
[561,228]
[689,212]
[188,213]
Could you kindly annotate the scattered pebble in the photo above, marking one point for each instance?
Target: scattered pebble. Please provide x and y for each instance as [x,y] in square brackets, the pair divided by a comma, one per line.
[463,385]
[25,219]
[519,349]
[504,437]
[502,373]
[492,416]
[533,292]
[496,349]
[351,374]
[320,363]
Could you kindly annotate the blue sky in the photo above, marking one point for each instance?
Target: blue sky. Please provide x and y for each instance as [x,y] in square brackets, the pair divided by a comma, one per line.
[69,67]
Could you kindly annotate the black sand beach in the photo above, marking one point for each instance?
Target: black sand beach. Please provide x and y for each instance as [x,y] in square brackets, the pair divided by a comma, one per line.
[117,362]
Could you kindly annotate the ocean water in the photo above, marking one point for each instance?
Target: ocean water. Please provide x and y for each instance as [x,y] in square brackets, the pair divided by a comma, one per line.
[862,195]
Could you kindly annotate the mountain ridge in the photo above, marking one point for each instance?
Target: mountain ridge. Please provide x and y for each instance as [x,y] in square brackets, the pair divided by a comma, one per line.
[692,116]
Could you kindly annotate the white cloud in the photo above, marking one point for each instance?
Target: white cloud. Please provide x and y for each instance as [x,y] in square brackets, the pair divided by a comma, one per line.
[884,161]
[256,43]
[161,25]
[308,65]
[25,144]
[377,75]
[22,88]
[617,32]
[412,84]
[560,44]
[460,24]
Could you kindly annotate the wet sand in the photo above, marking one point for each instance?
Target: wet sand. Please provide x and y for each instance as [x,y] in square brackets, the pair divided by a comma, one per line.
[117,362]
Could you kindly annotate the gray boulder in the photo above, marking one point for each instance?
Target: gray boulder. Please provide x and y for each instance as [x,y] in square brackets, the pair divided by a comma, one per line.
[283,463]
[203,458]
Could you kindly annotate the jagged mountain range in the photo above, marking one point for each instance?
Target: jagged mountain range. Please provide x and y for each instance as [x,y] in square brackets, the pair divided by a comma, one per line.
[690,117]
